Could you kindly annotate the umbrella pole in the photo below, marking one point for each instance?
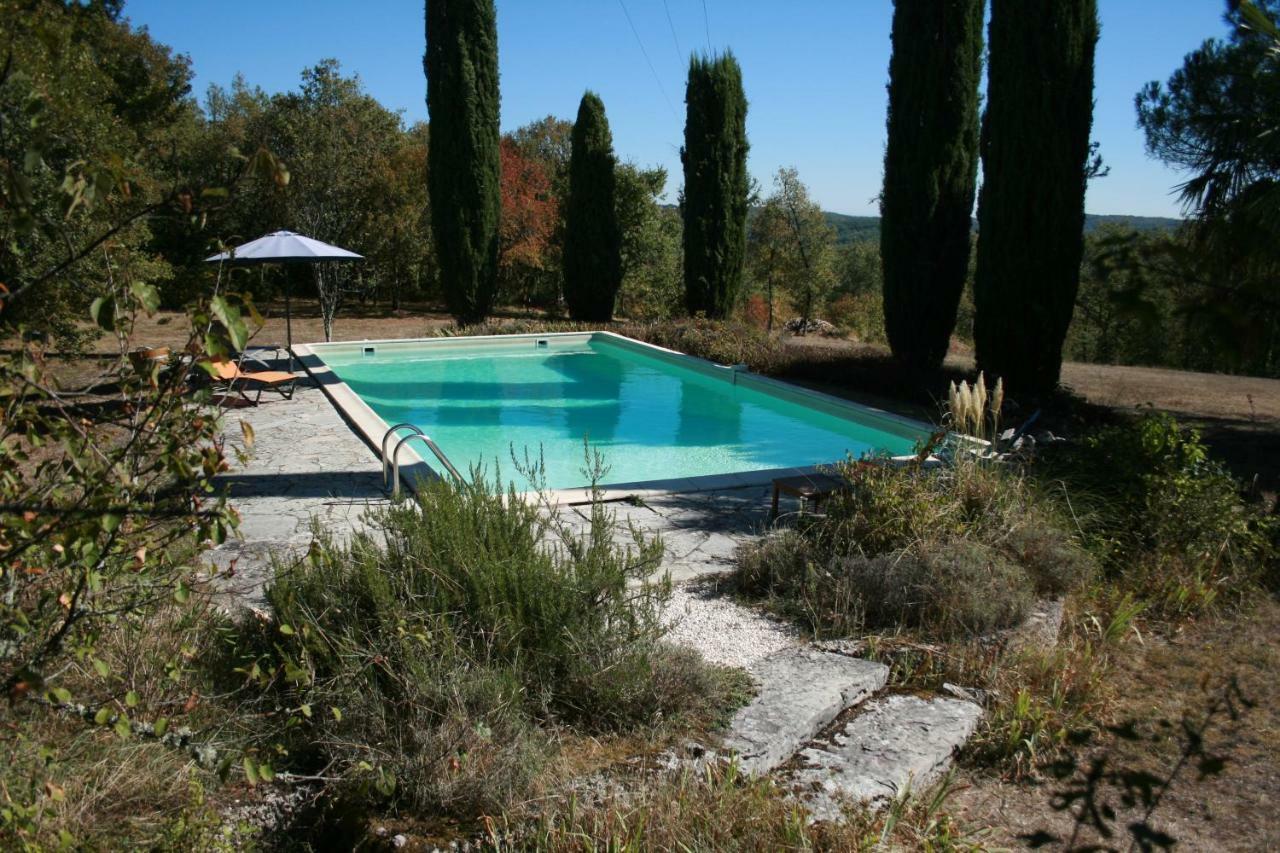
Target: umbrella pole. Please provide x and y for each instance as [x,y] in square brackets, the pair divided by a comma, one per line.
[288,322]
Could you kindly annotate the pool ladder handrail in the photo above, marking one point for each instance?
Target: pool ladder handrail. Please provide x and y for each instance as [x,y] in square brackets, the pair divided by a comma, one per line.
[394,460]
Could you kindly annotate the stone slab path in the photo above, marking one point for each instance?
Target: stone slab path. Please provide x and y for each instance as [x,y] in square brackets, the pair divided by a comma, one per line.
[893,745]
[801,691]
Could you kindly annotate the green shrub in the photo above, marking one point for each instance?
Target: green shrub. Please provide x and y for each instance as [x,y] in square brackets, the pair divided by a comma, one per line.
[1163,515]
[952,551]
[430,659]
[954,588]
[1054,561]
[390,695]
[860,315]
[724,342]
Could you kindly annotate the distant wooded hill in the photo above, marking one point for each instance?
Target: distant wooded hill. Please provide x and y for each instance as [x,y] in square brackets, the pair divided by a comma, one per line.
[850,228]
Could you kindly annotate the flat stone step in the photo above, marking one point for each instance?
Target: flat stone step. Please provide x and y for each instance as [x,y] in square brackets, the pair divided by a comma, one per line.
[801,691]
[893,744]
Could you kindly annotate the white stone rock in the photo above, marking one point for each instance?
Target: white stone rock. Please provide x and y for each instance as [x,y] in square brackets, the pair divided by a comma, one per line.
[894,744]
[801,691]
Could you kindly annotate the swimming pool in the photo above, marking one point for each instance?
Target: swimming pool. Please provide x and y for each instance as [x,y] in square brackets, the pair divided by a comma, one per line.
[659,419]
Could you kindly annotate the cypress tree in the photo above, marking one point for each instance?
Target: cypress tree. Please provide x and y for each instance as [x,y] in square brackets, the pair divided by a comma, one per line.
[715,184]
[930,172]
[593,239]
[461,64]
[1035,153]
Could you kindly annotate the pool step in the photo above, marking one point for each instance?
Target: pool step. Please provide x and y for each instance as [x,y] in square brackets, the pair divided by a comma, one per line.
[801,692]
[892,745]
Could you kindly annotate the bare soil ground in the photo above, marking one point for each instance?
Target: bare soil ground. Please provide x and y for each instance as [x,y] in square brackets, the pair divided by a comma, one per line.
[354,323]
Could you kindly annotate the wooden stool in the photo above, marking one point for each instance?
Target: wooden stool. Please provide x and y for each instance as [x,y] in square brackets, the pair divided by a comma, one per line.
[806,487]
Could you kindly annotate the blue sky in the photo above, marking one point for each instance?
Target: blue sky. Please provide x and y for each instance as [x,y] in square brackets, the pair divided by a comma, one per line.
[814,72]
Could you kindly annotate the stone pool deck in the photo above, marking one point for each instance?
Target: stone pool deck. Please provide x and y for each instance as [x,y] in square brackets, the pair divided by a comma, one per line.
[819,721]
[305,467]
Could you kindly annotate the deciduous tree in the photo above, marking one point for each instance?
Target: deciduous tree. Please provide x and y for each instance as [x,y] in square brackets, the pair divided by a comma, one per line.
[792,247]
[528,220]
[651,268]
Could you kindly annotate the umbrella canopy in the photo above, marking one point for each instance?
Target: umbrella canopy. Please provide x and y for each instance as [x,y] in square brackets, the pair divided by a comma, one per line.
[283,247]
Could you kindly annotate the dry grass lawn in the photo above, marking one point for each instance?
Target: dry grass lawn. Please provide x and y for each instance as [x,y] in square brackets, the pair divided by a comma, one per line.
[1164,682]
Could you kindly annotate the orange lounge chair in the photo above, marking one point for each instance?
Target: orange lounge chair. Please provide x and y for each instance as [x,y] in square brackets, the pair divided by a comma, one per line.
[231,377]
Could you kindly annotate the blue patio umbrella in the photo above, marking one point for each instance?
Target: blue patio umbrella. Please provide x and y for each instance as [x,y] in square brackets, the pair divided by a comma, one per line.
[284,247]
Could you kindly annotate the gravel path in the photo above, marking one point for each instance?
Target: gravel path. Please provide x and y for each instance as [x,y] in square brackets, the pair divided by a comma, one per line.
[723,631]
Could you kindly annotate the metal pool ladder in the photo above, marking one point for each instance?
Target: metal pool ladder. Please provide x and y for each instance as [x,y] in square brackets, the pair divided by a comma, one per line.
[393,461]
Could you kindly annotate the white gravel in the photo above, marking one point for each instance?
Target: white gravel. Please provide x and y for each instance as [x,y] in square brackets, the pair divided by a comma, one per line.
[724,632]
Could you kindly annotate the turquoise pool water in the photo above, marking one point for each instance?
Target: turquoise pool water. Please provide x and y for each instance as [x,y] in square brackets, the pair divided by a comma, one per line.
[649,416]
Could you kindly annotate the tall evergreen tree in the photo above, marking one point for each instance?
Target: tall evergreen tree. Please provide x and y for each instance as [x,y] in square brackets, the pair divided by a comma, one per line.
[1035,163]
[930,172]
[461,65]
[715,184]
[592,239]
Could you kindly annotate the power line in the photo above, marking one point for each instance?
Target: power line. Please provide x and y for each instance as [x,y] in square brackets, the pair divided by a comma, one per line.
[679,53]
[645,53]
[706,23]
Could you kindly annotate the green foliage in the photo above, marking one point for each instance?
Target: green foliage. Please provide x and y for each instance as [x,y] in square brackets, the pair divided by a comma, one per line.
[549,141]
[930,172]
[1216,115]
[1167,520]
[716,185]
[90,111]
[1125,309]
[853,229]
[723,343]
[96,500]
[423,656]
[651,237]
[1215,119]
[1035,158]
[593,236]
[791,247]
[857,305]
[461,65]
[338,142]
[951,552]
[1161,298]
